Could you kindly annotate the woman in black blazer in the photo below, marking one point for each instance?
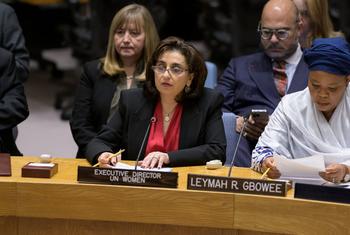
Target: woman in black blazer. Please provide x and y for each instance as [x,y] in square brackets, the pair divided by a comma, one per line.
[180,119]
[132,39]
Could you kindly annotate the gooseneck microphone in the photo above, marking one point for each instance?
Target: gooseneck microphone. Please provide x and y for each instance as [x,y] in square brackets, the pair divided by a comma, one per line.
[236,148]
[153,120]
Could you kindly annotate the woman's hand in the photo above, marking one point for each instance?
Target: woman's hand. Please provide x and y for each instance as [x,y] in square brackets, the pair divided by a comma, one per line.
[334,173]
[155,159]
[273,173]
[106,160]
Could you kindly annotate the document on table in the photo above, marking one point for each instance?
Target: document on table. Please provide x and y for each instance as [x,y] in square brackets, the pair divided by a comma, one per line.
[302,169]
[124,166]
[305,170]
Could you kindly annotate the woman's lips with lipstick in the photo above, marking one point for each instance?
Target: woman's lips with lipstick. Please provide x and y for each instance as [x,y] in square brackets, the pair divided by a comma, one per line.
[166,84]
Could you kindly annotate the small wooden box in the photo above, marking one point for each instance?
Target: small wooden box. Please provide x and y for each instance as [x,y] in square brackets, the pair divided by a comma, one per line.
[39,170]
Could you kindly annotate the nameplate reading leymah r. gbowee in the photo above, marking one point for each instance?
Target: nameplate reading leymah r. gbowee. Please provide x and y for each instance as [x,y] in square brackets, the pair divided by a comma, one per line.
[237,185]
[127,177]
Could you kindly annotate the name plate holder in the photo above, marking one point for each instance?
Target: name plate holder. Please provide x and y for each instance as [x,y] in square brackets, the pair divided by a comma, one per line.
[115,176]
[331,193]
[39,170]
[237,185]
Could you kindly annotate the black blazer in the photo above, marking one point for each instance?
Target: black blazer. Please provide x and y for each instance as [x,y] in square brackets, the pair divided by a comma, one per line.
[12,40]
[202,136]
[92,104]
[13,103]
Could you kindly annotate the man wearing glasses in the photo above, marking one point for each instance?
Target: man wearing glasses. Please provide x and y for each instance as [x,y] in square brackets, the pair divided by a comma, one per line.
[260,80]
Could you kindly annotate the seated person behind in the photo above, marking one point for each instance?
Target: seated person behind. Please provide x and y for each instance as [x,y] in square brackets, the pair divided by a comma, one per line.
[315,120]
[13,103]
[132,39]
[316,22]
[260,80]
[187,127]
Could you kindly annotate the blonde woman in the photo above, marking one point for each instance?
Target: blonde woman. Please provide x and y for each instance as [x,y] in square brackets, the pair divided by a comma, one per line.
[316,22]
[132,38]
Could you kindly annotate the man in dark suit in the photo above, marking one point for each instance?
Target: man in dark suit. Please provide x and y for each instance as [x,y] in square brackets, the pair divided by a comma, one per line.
[13,104]
[252,81]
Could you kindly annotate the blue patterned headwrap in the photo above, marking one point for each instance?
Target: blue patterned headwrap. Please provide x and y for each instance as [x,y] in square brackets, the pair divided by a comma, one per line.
[330,55]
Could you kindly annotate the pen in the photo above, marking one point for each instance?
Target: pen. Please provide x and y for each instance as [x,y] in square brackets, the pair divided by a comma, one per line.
[110,157]
[265,173]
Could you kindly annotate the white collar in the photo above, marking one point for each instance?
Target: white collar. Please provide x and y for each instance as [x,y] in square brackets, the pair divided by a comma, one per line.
[295,58]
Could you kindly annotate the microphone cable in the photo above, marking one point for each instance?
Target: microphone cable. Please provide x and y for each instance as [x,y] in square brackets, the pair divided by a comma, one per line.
[153,120]
[237,144]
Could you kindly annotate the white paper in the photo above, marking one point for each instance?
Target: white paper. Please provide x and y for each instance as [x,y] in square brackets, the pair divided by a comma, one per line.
[39,164]
[124,166]
[307,167]
[331,158]
[306,170]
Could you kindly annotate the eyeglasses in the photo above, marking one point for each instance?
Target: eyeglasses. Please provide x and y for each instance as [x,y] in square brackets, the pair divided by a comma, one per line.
[266,34]
[174,71]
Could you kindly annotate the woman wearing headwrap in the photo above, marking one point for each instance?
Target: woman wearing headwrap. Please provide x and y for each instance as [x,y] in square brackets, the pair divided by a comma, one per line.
[315,120]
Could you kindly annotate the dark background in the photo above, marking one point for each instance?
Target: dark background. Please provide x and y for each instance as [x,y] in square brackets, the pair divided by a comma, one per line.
[226,28]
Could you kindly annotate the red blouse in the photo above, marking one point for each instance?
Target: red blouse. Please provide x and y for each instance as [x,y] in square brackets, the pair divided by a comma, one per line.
[169,142]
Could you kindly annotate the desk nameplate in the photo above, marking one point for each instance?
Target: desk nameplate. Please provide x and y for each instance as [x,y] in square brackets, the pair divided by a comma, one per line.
[34,170]
[237,185]
[5,164]
[127,177]
[332,193]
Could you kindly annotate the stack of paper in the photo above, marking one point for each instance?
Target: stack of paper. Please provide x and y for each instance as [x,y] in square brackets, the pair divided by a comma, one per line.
[124,166]
[301,170]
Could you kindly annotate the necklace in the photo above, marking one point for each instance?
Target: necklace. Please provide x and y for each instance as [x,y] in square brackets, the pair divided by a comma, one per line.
[167,116]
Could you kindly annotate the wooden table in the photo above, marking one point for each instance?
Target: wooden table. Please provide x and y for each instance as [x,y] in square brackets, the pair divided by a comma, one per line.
[61,205]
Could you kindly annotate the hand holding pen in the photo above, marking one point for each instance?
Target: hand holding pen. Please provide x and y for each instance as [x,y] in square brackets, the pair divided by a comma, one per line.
[269,163]
[108,159]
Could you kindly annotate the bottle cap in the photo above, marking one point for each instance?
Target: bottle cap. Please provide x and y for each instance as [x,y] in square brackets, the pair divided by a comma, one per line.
[45,158]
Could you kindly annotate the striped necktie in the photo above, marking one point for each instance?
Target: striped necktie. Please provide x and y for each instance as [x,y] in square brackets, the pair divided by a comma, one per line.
[280,76]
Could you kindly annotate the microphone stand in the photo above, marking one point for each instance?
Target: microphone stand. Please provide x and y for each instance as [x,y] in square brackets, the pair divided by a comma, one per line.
[153,120]
[237,144]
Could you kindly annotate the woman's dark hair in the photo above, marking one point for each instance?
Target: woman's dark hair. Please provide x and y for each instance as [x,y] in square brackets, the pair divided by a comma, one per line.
[194,60]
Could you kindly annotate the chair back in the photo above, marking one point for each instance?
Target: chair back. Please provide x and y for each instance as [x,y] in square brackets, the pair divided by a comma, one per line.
[229,120]
[211,80]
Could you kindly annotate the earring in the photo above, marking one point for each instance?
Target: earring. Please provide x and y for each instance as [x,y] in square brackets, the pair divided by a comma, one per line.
[187,89]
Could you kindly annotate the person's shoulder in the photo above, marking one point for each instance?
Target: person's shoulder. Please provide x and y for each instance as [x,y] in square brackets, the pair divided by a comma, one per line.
[252,56]
[93,68]
[210,96]
[295,95]
[247,59]
[6,9]
[133,97]
[209,93]
[295,100]
[93,64]
[134,93]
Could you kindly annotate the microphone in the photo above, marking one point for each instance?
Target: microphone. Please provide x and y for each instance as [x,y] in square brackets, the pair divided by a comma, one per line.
[153,120]
[236,148]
